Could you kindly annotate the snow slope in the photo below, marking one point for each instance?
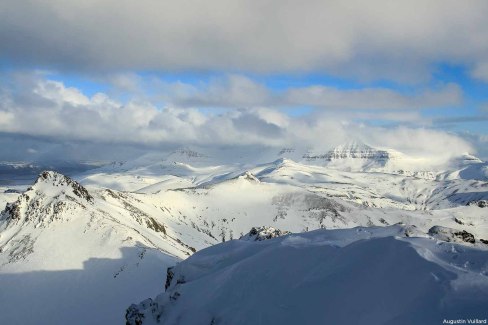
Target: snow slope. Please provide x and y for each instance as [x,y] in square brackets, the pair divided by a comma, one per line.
[353,171]
[355,276]
[114,231]
[68,256]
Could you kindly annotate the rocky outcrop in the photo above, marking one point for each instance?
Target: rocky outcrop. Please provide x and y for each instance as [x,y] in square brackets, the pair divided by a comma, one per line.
[248,176]
[57,179]
[135,315]
[451,235]
[169,276]
[263,233]
[51,194]
[479,203]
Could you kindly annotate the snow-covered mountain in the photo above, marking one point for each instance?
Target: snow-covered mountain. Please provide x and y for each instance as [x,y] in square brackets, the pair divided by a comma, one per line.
[354,155]
[355,276]
[467,167]
[357,156]
[66,252]
[353,150]
[113,231]
[188,167]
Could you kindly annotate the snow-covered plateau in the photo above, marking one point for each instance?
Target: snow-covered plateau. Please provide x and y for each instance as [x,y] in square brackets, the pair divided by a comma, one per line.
[354,235]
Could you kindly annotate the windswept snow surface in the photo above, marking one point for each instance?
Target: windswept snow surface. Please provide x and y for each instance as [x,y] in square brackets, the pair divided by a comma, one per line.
[355,276]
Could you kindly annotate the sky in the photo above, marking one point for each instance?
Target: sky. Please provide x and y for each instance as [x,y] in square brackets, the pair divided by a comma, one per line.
[110,80]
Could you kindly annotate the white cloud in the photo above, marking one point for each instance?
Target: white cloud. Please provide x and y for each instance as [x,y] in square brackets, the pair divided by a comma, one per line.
[375,39]
[56,91]
[437,146]
[6,118]
[45,109]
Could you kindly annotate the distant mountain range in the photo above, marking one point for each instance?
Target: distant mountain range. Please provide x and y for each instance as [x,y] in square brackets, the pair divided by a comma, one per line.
[102,239]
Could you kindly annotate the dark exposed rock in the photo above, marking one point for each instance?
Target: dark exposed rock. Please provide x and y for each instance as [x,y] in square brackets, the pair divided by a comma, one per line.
[181,280]
[248,176]
[458,221]
[411,231]
[465,236]
[175,296]
[479,203]
[169,276]
[133,315]
[192,249]
[154,225]
[449,234]
[12,191]
[61,180]
[263,233]
[11,211]
[352,149]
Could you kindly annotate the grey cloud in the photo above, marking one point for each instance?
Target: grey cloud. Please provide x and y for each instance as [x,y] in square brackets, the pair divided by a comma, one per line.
[397,40]
[480,116]
[480,71]
[19,147]
[257,127]
[239,91]
[461,119]
[373,98]
[49,109]
[229,91]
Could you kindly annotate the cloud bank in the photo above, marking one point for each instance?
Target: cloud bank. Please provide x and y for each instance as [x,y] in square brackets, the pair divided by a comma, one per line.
[400,40]
[36,109]
[239,91]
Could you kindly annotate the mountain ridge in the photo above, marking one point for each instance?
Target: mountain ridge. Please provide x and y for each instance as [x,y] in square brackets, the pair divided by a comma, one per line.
[173,210]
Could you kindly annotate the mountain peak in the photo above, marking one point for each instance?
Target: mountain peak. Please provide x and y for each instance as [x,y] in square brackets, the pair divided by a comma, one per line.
[282,161]
[49,176]
[50,192]
[248,176]
[356,149]
[54,179]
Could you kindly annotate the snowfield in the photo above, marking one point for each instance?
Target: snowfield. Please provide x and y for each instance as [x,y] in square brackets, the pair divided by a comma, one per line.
[355,276]
[81,250]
